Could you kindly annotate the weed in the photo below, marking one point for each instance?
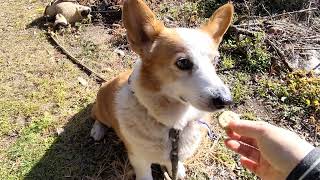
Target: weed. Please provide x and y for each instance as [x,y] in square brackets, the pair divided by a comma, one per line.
[227,62]
[89,48]
[239,88]
[207,7]
[249,54]
[248,115]
[186,14]
[299,88]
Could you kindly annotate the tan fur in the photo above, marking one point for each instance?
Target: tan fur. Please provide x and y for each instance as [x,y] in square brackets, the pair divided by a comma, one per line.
[152,75]
[103,109]
[219,22]
[143,119]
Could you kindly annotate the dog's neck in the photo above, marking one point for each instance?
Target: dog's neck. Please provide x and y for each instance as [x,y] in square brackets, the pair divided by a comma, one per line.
[165,109]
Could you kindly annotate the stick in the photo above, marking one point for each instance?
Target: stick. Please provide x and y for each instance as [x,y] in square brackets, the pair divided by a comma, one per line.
[107,11]
[280,53]
[310,48]
[243,31]
[83,67]
[290,13]
[283,14]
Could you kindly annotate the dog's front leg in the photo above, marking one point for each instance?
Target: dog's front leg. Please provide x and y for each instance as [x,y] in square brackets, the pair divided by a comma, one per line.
[141,167]
[181,170]
[98,131]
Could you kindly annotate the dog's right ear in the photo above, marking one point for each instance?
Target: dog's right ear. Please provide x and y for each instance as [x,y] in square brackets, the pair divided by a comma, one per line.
[141,24]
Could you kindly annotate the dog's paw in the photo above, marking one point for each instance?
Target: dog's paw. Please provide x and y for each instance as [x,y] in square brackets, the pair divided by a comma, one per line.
[98,131]
[181,171]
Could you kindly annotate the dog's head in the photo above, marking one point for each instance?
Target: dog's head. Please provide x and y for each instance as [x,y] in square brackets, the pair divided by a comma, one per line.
[179,62]
[84,11]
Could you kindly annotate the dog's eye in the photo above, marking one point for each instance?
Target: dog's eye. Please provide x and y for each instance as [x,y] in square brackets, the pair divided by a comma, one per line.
[184,64]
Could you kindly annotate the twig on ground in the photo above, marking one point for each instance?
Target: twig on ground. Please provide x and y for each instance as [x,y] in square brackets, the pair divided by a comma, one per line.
[107,11]
[284,14]
[292,12]
[280,53]
[249,25]
[309,14]
[243,31]
[264,8]
[308,48]
[87,70]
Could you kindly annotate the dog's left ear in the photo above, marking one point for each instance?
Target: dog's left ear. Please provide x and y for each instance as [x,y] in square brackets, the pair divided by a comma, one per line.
[219,22]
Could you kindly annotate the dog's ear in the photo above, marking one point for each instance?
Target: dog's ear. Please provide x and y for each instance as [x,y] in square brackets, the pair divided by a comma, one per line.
[219,22]
[141,24]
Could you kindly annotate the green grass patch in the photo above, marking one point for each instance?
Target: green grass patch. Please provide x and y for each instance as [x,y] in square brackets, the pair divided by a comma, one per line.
[240,88]
[248,54]
[300,89]
[28,149]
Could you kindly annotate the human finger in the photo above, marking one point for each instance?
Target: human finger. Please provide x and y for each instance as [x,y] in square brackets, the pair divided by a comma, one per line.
[252,129]
[247,140]
[243,149]
[249,164]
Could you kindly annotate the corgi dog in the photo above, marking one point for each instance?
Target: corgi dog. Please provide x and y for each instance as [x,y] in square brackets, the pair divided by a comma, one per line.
[172,85]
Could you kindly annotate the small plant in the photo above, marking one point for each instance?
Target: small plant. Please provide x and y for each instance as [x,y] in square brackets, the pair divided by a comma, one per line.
[227,62]
[186,14]
[207,7]
[299,88]
[89,48]
[249,54]
[248,115]
[239,88]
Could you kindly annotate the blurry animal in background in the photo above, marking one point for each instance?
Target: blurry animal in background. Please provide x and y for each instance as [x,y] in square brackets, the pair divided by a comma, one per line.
[65,12]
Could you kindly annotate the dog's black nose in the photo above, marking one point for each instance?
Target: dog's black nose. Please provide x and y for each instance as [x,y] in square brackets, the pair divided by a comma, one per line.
[221,102]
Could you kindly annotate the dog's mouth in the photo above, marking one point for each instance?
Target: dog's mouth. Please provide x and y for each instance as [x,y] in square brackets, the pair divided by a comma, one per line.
[183,99]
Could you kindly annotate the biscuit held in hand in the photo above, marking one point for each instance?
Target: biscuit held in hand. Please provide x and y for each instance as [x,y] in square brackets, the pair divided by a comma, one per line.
[225,118]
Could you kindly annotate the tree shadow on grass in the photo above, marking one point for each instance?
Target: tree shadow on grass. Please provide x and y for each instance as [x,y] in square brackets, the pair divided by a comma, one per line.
[74,154]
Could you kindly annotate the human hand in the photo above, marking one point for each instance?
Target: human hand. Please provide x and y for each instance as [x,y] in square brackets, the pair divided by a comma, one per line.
[268,151]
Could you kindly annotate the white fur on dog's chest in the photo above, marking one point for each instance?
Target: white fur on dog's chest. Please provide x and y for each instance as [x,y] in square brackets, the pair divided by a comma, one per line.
[149,137]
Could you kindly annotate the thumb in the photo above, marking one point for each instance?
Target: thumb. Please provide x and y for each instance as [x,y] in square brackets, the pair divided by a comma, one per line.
[252,129]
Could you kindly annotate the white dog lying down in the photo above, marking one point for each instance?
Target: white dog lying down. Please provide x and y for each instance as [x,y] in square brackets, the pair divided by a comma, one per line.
[66,12]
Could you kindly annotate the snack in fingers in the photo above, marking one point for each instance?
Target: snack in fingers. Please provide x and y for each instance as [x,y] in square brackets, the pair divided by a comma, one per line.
[225,118]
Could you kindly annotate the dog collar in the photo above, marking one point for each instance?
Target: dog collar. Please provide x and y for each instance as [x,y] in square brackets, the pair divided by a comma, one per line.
[129,84]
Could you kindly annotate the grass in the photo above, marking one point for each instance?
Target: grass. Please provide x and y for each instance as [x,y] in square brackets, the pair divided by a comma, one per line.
[248,54]
[44,110]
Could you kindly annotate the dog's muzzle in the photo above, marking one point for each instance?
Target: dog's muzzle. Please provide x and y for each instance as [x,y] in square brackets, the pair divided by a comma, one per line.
[221,98]
[85,13]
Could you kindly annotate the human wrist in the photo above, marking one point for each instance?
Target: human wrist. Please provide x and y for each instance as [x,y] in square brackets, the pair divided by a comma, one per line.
[298,155]
[308,167]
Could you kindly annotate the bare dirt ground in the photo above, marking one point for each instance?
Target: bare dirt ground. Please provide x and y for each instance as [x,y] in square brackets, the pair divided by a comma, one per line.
[45,99]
